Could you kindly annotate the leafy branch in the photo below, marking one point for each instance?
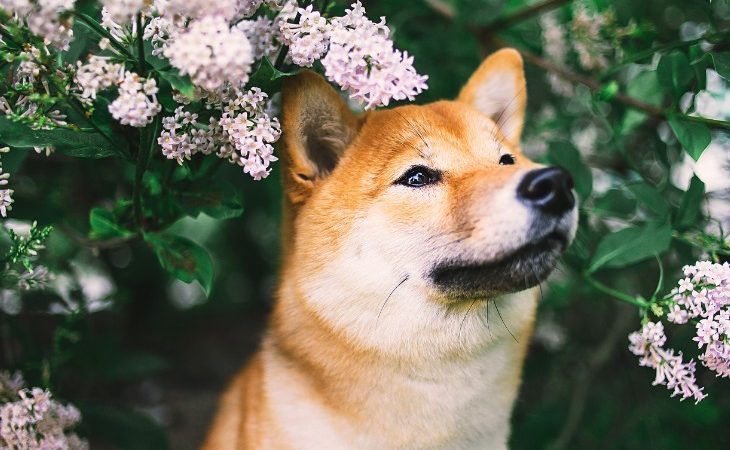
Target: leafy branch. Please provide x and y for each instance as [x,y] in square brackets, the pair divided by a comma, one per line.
[487,37]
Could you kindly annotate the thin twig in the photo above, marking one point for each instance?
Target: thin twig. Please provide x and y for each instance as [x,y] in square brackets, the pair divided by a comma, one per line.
[487,37]
[524,14]
[618,295]
[99,244]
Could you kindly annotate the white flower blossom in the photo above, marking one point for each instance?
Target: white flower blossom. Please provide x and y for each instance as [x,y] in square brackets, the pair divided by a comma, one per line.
[670,369]
[264,36]
[308,38]
[195,9]
[6,195]
[704,295]
[212,53]
[31,420]
[97,75]
[137,103]
[244,135]
[122,11]
[555,47]
[362,60]
[47,18]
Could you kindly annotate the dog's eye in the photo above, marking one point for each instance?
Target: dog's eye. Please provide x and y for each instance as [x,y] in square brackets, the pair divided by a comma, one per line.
[506,160]
[418,176]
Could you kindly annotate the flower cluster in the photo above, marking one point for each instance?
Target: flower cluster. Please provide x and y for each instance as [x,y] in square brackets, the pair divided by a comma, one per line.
[30,419]
[122,10]
[97,75]
[671,370]
[359,55]
[212,53]
[264,36]
[308,38]
[217,46]
[704,296]
[554,45]
[49,19]
[244,134]
[136,104]
[588,41]
[250,132]
[6,195]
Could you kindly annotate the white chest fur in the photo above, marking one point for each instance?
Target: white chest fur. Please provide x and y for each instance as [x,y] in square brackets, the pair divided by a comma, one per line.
[464,402]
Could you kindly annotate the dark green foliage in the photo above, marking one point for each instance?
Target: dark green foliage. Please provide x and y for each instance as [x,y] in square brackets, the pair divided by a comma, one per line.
[152,225]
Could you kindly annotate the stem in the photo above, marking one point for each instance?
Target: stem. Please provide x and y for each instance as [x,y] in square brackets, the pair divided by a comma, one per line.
[660,48]
[101,31]
[713,123]
[146,145]
[486,36]
[280,57]
[141,63]
[618,295]
[524,14]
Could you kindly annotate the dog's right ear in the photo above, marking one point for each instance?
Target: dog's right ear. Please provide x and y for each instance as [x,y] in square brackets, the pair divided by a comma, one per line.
[317,127]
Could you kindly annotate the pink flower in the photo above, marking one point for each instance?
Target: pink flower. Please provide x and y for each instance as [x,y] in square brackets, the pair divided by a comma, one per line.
[670,369]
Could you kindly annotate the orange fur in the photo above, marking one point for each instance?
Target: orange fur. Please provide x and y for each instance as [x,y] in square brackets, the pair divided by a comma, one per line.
[351,359]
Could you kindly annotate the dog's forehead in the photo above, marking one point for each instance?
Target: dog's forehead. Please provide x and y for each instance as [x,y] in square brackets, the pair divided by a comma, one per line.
[446,132]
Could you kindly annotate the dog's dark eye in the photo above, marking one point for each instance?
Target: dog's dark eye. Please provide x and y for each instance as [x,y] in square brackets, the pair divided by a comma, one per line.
[418,176]
[506,160]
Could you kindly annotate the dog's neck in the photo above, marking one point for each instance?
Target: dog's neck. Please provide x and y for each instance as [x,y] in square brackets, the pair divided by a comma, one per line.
[437,396]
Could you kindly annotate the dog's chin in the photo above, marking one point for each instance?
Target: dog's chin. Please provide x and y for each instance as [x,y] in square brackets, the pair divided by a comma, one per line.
[521,269]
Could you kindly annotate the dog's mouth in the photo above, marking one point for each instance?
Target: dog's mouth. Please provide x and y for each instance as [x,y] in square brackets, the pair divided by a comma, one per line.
[521,269]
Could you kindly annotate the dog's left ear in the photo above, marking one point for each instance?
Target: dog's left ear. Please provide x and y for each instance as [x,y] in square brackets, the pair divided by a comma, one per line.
[318,126]
[498,89]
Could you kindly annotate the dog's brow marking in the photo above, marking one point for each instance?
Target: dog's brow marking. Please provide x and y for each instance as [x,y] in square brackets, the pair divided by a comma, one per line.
[505,325]
[382,307]
[418,133]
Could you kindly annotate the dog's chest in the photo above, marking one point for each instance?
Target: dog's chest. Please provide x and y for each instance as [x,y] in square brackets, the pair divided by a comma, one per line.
[439,406]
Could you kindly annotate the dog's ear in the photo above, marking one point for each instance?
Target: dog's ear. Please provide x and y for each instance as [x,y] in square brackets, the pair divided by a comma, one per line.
[498,89]
[317,127]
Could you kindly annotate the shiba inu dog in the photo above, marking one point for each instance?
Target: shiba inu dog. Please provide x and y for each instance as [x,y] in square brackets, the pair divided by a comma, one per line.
[413,239]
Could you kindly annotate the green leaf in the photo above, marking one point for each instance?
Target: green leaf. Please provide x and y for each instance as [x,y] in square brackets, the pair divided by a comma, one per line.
[79,144]
[694,137]
[646,87]
[722,64]
[689,209]
[268,78]
[650,198]
[631,245]
[182,83]
[220,201]
[615,202]
[568,157]
[675,71]
[182,258]
[104,225]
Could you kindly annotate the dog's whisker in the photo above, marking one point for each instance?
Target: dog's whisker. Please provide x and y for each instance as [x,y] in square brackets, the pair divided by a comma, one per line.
[496,306]
[466,314]
[447,233]
[382,307]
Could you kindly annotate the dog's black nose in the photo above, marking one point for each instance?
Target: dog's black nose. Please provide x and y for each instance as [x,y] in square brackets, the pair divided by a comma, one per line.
[550,190]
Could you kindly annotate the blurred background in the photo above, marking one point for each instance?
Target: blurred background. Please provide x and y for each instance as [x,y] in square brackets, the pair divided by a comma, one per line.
[149,356]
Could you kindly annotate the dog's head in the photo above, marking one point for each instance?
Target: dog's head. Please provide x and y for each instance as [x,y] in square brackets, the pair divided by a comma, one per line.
[416,211]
